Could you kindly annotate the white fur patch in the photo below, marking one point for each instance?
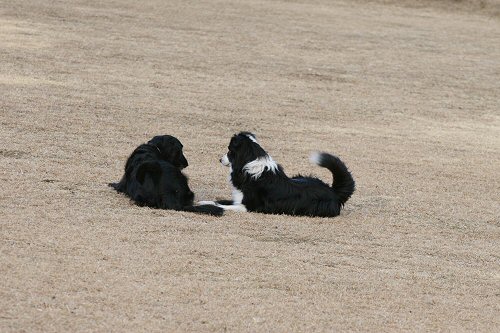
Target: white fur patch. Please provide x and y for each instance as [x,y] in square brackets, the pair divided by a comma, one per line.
[315,158]
[237,196]
[224,160]
[207,203]
[237,208]
[256,167]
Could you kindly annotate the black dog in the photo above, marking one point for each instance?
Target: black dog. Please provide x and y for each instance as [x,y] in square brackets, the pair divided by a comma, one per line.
[261,185]
[153,177]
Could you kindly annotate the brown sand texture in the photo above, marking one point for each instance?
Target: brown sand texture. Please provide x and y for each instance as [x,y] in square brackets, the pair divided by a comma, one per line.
[406,93]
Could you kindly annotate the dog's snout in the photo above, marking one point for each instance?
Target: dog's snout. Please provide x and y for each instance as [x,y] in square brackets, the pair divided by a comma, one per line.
[224,160]
[183,162]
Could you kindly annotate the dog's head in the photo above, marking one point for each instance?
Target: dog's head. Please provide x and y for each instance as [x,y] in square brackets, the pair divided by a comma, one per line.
[245,155]
[170,149]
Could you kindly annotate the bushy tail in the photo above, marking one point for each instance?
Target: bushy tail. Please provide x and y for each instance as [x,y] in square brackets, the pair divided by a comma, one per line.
[116,186]
[343,183]
[205,209]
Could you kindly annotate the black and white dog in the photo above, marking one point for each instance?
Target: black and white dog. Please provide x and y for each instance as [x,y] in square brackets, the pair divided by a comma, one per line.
[153,177]
[261,185]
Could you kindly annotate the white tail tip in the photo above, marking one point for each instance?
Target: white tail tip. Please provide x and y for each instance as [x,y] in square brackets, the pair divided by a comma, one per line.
[315,158]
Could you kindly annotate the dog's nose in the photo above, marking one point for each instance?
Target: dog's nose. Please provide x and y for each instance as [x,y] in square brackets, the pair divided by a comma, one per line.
[184,163]
[220,159]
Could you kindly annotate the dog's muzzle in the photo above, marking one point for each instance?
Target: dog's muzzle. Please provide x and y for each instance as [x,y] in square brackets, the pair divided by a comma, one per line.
[224,160]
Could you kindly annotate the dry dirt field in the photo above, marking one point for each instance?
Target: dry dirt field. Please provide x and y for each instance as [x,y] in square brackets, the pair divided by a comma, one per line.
[406,93]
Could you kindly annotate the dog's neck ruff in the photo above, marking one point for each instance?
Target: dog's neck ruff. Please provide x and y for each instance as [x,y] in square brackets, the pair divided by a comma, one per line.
[256,167]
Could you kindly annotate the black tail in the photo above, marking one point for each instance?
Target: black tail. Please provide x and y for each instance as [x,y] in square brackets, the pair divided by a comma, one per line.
[204,209]
[343,183]
[116,186]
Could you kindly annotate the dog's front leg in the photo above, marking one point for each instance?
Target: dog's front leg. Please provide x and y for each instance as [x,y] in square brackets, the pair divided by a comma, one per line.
[207,203]
[236,208]
[226,205]
[234,205]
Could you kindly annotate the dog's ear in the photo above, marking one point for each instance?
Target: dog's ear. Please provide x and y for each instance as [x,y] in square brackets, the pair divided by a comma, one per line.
[235,142]
[157,140]
[249,135]
[152,169]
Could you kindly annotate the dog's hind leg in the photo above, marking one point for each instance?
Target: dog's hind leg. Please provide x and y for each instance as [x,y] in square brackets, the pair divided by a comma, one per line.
[326,209]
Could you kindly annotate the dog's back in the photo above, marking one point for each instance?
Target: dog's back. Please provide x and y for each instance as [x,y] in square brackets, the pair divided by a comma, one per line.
[140,155]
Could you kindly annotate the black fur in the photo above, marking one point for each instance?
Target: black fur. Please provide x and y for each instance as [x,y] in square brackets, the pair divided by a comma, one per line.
[273,192]
[153,177]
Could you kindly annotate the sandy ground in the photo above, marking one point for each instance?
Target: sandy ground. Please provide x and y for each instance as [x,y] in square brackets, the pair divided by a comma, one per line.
[408,96]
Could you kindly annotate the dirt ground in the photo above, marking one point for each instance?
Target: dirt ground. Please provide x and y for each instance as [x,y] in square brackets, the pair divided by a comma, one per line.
[407,95]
